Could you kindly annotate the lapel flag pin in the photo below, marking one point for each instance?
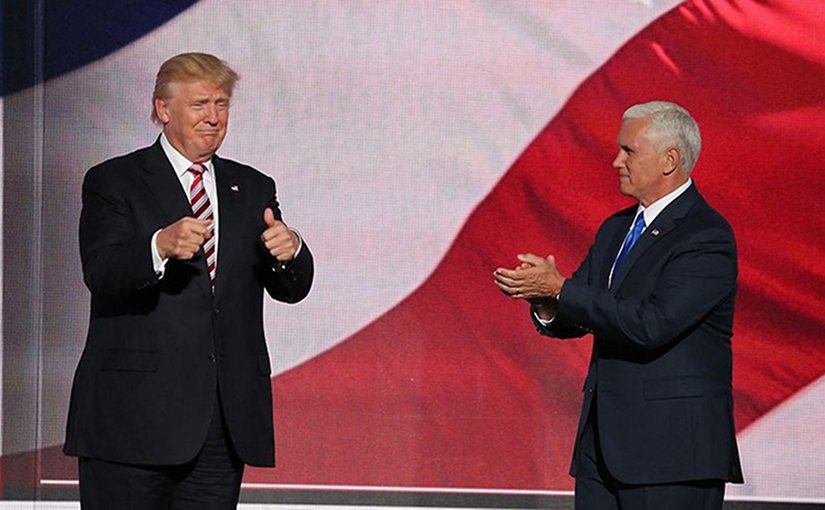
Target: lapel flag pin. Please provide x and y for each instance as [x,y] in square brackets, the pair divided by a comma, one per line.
[234,188]
[655,231]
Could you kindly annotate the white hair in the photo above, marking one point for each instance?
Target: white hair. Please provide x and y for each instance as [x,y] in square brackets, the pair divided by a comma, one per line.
[670,124]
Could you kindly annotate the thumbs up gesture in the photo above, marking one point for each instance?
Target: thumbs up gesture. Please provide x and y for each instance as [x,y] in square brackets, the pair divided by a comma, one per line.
[281,242]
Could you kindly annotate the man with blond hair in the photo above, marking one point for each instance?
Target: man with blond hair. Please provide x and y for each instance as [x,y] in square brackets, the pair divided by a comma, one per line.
[657,292]
[172,394]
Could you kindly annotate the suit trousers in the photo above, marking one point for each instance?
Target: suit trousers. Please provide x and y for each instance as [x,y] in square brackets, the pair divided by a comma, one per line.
[597,489]
[210,481]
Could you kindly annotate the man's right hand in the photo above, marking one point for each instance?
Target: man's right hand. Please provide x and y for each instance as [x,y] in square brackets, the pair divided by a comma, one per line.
[183,239]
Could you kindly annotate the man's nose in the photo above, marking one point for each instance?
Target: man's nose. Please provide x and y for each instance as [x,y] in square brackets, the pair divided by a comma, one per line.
[618,161]
[211,114]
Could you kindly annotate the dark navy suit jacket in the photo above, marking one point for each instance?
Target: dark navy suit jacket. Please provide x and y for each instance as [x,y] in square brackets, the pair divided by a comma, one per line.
[159,349]
[660,372]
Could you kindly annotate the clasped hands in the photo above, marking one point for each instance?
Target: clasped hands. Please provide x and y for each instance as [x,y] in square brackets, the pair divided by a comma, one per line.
[535,279]
[184,238]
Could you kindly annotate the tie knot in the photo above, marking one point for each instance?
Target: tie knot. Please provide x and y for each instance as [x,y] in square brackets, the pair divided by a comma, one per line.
[640,221]
[197,168]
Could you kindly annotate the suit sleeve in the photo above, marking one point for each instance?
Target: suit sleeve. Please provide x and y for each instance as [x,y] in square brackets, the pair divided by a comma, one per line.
[562,326]
[116,259]
[697,276]
[290,282]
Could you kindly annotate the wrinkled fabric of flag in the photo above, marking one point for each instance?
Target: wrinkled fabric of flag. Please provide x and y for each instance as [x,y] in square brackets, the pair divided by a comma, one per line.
[419,145]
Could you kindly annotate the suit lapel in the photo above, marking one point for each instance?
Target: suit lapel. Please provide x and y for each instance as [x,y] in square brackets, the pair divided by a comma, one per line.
[665,222]
[230,215]
[612,248]
[164,183]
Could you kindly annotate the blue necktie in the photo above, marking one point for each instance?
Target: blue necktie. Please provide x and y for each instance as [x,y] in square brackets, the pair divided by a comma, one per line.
[629,241]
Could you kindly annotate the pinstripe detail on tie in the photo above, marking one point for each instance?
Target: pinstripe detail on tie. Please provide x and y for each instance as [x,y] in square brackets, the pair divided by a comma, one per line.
[202,209]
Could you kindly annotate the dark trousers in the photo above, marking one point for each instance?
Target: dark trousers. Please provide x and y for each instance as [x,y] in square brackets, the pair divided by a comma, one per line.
[210,481]
[596,489]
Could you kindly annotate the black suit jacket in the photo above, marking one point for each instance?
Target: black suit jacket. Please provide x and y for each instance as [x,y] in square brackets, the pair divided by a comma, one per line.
[660,372]
[159,349]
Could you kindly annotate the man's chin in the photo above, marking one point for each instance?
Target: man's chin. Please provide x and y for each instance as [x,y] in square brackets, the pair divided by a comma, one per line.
[210,145]
[625,189]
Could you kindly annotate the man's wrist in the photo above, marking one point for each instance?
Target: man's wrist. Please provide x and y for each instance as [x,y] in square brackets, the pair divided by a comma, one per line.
[545,312]
[158,260]
[544,307]
[557,295]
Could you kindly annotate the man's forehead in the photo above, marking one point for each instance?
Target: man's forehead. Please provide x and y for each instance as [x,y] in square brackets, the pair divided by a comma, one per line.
[631,129]
[199,87]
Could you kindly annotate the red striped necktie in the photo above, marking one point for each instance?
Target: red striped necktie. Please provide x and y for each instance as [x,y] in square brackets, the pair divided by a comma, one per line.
[202,209]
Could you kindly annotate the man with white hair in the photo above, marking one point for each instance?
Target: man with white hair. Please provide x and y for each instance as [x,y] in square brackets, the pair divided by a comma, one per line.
[657,292]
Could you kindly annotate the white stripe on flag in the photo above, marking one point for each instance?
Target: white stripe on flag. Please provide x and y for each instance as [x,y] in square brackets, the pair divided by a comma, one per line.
[779,451]
[383,127]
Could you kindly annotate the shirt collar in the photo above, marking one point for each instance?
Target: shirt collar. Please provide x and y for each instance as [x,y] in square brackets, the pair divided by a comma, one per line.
[658,206]
[178,160]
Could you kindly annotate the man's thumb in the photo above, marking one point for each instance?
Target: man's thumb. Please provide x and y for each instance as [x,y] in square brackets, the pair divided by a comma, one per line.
[269,217]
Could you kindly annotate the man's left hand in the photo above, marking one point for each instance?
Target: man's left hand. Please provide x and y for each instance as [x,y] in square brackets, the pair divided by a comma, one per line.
[281,242]
[535,279]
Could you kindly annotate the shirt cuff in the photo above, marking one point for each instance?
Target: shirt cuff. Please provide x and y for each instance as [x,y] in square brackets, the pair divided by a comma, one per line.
[158,262]
[543,322]
[300,242]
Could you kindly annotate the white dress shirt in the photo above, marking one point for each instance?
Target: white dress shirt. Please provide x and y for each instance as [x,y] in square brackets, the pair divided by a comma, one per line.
[650,214]
[181,166]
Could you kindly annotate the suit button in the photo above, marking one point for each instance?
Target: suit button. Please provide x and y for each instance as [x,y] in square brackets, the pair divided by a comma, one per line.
[212,357]
[216,311]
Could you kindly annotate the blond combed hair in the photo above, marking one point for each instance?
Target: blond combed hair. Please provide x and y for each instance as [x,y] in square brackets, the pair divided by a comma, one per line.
[188,67]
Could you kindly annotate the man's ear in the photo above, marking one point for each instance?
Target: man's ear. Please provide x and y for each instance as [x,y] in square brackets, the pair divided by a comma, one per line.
[673,160]
[161,110]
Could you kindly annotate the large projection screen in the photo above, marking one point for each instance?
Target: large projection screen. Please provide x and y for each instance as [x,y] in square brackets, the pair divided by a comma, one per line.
[417,146]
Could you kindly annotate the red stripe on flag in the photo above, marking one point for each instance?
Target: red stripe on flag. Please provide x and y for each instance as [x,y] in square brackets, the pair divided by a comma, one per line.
[453,388]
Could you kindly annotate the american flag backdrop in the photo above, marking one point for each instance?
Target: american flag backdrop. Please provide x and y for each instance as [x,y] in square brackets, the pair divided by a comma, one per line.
[417,146]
